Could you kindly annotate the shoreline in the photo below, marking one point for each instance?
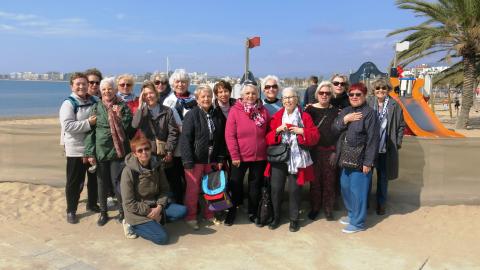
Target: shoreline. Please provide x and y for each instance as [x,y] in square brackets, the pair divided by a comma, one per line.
[26,117]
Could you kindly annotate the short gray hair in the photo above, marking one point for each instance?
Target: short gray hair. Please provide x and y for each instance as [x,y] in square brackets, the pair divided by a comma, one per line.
[245,86]
[162,76]
[291,89]
[270,77]
[203,88]
[179,75]
[327,84]
[109,81]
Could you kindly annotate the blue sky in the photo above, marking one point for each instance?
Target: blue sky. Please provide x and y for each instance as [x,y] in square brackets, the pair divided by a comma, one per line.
[299,37]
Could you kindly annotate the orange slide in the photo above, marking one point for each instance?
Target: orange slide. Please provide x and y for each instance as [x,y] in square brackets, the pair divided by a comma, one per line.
[418,116]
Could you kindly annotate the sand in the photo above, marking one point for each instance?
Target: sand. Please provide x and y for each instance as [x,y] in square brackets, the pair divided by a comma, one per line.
[35,234]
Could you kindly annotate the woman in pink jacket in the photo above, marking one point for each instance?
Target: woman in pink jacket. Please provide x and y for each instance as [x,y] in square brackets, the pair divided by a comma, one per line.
[245,136]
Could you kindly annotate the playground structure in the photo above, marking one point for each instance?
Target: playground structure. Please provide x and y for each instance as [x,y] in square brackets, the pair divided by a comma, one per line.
[417,114]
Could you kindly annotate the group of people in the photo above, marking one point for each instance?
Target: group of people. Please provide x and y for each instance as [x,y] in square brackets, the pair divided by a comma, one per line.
[151,151]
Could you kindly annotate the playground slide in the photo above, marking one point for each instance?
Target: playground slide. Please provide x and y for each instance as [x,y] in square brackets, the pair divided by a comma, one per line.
[418,115]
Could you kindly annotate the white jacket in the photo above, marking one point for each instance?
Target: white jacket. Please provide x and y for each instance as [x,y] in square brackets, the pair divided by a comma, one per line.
[74,126]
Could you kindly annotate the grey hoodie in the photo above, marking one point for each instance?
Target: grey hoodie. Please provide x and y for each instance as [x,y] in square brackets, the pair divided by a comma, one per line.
[141,187]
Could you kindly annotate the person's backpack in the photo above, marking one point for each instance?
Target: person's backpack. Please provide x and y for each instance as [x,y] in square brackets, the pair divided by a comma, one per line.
[76,105]
[214,186]
[265,207]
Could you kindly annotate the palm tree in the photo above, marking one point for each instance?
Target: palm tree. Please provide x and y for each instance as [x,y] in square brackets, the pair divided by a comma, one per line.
[452,27]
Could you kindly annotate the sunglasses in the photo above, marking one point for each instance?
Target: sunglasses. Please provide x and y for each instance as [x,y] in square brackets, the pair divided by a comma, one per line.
[323,93]
[94,82]
[160,82]
[273,86]
[339,83]
[125,84]
[383,88]
[141,150]
[355,94]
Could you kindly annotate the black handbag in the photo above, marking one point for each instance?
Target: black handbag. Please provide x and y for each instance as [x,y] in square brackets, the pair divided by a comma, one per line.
[278,153]
[265,207]
[351,157]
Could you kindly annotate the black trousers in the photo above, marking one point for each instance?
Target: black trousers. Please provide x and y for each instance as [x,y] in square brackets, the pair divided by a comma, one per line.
[92,188]
[75,179]
[255,183]
[279,176]
[109,172]
[176,179]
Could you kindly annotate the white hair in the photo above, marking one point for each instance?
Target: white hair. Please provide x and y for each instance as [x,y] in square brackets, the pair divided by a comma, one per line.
[245,86]
[290,89]
[179,75]
[203,88]
[270,77]
[109,81]
[327,84]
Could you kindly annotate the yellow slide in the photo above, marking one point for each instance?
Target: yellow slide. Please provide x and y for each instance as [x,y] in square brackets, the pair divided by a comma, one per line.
[418,116]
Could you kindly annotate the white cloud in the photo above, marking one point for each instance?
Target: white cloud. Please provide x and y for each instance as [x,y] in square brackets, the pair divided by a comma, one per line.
[17,16]
[6,27]
[120,16]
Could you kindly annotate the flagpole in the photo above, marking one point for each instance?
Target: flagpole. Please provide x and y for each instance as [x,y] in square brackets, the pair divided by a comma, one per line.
[247,59]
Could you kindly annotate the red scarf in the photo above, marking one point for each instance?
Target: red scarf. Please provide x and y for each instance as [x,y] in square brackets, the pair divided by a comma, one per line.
[116,128]
[253,112]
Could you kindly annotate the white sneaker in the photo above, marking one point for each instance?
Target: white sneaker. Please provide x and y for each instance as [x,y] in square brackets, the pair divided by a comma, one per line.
[215,221]
[344,220]
[193,224]
[128,231]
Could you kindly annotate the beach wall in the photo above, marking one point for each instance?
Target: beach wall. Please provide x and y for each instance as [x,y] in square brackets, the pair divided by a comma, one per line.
[432,171]
[438,171]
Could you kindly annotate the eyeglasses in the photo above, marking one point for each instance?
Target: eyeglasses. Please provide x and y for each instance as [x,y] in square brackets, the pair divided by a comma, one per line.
[94,82]
[383,88]
[323,93]
[160,82]
[125,84]
[339,83]
[290,97]
[141,150]
[355,94]
[273,86]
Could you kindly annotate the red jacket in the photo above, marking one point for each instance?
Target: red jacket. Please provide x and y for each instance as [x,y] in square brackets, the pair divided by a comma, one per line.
[310,137]
[133,105]
[245,140]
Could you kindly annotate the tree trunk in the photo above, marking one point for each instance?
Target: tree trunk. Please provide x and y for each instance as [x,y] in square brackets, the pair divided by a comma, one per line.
[467,92]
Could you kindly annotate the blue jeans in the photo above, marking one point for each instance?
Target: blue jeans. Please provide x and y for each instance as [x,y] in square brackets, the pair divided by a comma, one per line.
[355,185]
[154,231]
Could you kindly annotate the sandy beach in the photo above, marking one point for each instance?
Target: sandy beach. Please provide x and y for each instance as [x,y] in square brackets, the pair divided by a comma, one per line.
[35,234]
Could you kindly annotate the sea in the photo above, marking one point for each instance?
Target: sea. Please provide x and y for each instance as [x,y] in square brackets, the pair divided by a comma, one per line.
[36,98]
[42,98]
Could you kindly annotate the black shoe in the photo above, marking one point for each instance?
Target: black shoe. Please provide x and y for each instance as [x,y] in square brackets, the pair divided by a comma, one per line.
[313,215]
[294,226]
[258,223]
[230,217]
[93,208]
[381,210]
[72,218]
[251,217]
[275,224]
[102,219]
[121,216]
[329,215]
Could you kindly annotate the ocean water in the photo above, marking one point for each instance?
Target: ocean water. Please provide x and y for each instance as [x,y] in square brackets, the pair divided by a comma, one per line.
[36,98]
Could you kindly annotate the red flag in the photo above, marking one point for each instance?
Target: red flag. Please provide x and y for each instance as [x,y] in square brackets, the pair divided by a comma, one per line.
[253,42]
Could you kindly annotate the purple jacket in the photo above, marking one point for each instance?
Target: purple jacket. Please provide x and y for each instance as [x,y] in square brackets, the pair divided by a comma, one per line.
[245,140]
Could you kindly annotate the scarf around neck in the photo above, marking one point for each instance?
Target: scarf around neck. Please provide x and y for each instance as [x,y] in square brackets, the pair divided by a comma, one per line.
[126,97]
[299,158]
[116,128]
[253,112]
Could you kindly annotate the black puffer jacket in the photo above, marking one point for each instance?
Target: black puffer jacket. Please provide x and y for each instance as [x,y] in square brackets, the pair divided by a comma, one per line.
[195,138]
